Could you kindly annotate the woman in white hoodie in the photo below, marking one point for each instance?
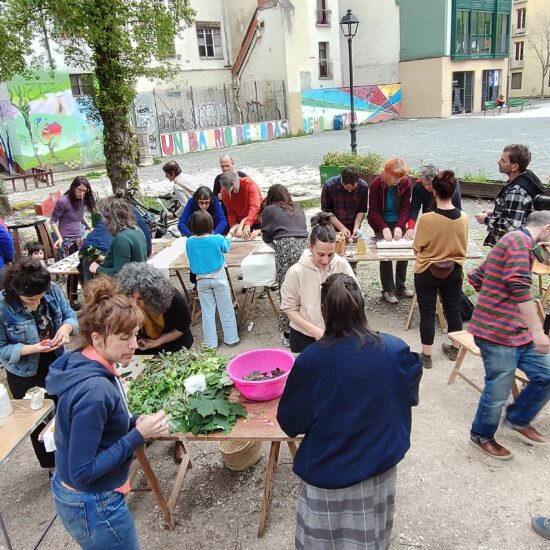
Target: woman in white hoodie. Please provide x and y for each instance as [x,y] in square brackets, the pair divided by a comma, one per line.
[301,290]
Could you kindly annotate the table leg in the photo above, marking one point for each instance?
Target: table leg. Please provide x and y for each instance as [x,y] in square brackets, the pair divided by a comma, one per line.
[45,239]
[183,286]
[233,295]
[459,360]
[271,465]
[5,533]
[273,306]
[242,311]
[411,312]
[441,314]
[292,448]
[16,242]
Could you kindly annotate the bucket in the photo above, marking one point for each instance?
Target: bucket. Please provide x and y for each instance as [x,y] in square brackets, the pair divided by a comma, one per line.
[240,455]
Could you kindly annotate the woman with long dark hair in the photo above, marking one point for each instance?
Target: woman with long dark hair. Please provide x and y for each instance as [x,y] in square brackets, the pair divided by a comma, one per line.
[284,227]
[350,394]
[203,199]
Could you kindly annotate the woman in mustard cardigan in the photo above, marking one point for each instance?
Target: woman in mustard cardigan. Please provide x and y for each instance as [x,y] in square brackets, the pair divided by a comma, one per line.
[440,244]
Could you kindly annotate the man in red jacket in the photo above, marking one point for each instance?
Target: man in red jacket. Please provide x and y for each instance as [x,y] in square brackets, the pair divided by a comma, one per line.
[242,198]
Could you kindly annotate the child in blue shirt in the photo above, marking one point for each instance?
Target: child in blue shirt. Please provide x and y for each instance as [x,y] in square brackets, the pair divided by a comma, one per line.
[205,253]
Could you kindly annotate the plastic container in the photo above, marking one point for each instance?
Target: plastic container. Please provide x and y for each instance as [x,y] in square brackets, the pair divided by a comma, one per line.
[5,404]
[338,122]
[240,455]
[262,360]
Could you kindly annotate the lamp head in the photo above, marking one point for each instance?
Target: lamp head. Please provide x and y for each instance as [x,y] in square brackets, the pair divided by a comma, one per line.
[349,24]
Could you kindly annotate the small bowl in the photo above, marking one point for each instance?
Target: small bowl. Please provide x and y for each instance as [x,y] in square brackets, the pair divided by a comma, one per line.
[262,360]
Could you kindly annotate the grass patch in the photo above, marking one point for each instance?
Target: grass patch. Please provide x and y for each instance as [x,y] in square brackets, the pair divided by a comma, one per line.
[94,175]
[310,203]
[22,205]
[157,160]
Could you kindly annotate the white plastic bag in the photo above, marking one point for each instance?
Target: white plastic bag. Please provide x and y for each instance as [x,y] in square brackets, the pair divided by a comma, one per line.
[259,270]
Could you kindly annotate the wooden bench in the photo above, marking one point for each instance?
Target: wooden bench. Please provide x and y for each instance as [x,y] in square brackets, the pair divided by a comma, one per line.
[518,103]
[490,106]
[37,175]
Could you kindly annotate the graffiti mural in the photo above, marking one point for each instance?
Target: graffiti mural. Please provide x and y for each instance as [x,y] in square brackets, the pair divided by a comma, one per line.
[180,143]
[45,125]
[211,113]
[372,104]
[146,115]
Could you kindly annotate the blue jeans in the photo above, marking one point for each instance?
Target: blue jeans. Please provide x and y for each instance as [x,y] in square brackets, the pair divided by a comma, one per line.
[500,364]
[215,293]
[96,521]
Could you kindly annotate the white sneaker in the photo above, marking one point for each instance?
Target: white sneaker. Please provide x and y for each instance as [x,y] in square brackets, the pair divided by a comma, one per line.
[285,341]
[407,293]
[390,297]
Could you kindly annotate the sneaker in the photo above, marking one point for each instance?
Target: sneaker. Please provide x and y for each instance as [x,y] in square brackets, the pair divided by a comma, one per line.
[407,293]
[491,448]
[427,361]
[450,351]
[285,340]
[541,526]
[390,297]
[232,345]
[528,434]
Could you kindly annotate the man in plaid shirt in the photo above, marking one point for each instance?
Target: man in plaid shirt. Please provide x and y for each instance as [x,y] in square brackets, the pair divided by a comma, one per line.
[515,201]
[346,197]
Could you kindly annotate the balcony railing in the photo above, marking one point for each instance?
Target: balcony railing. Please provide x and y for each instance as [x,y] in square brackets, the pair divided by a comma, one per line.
[325,69]
[322,18]
[517,63]
[517,30]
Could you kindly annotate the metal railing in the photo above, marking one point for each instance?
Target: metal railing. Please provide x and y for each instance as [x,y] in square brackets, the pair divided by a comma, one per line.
[517,63]
[323,17]
[325,69]
[517,30]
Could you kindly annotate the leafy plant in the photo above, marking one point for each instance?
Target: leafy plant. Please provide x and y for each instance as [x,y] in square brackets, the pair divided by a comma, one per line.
[94,175]
[257,376]
[371,163]
[480,177]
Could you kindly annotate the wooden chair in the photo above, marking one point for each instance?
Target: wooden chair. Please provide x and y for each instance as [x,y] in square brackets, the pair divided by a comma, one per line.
[540,270]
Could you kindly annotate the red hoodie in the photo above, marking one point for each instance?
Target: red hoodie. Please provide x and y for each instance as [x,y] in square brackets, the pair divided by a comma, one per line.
[377,200]
[244,204]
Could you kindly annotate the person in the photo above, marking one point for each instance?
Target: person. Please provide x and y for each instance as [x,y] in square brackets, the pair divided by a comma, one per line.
[35,250]
[301,290]
[68,216]
[514,201]
[509,333]
[185,185]
[440,245]
[242,198]
[284,227]
[501,101]
[36,321]
[541,526]
[355,431]
[423,197]
[167,321]
[389,208]
[203,199]
[95,434]
[346,198]
[205,253]
[227,164]
[129,243]
[6,251]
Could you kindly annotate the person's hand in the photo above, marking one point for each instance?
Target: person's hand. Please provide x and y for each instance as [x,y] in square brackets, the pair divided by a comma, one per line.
[100,259]
[481,217]
[58,243]
[386,232]
[93,267]
[541,342]
[397,233]
[171,216]
[346,233]
[237,231]
[246,232]
[62,336]
[154,425]
[255,233]
[145,343]
[409,234]
[43,348]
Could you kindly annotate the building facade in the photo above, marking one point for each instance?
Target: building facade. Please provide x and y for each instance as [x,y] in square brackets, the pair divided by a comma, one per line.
[530,43]
[453,55]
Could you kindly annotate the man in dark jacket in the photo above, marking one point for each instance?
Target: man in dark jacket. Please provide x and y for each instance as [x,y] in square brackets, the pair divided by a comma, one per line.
[515,201]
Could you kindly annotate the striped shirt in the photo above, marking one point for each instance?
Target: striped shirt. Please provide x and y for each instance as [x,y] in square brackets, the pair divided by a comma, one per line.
[504,281]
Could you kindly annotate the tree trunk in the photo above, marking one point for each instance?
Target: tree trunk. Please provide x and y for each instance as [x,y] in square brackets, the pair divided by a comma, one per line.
[5,206]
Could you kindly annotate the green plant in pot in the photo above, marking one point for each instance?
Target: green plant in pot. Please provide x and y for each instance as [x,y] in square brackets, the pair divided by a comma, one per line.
[369,165]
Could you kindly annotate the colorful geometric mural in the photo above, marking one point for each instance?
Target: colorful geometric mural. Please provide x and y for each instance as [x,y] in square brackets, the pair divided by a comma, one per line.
[42,123]
[372,104]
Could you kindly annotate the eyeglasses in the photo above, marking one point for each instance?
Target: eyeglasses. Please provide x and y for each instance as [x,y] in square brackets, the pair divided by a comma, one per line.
[204,202]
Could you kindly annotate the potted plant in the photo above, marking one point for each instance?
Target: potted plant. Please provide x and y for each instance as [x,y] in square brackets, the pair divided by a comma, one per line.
[369,165]
[479,186]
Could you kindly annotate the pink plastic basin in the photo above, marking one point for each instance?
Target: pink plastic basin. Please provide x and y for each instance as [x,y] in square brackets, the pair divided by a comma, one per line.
[262,360]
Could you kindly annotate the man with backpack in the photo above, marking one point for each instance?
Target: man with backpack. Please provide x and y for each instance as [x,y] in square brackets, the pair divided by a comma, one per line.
[515,201]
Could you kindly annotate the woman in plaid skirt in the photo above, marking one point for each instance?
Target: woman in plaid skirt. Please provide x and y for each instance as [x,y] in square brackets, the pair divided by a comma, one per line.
[350,394]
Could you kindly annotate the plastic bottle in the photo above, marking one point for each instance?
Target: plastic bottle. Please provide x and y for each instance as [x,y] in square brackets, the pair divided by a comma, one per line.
[361,244]
[5,403]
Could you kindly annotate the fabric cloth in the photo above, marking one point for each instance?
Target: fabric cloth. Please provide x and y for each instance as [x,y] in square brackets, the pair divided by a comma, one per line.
[95,434]
[425,201]
[68,215]
[278,223]
[389,282]
[377,200]
[356,517]
[391,212]
[512,206]
[450,289]
[215,294]
[153,325]
[244,204]
[69,245]
[441,236]
[18,328]
[503,281]
[95,520]
[299,341]
[301,290]
[215,210]
[128,246]
[353,428]
[6,246]
[344,205]
[288,251]
[500,363]
[205,253]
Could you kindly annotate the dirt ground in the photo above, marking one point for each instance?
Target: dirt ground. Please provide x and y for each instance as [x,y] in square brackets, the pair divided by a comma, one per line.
[449,496]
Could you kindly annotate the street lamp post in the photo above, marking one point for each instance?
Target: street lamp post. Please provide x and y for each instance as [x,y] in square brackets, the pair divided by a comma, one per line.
[349,24]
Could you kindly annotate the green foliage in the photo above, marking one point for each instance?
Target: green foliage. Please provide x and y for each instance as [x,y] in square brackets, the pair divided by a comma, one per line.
[94,175]
[480,177]
[157,160]
[371,163]
[310,203]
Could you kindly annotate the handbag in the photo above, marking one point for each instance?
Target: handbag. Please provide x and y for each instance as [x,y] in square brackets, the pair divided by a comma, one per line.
[467,309]
[441,270]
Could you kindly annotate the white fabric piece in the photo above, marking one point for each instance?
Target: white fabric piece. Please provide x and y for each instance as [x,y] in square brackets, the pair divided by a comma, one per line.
[259,270]
[165,257]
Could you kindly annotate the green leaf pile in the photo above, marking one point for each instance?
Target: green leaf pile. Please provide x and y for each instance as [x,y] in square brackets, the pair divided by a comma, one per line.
[160,386]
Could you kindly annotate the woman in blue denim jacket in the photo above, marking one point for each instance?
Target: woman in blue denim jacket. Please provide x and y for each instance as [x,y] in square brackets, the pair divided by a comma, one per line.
[36,321]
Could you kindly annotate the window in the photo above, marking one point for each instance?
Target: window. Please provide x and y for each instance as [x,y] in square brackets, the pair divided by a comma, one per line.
[480,41]
[462,31]
[325,66]
[520,21]
[503,33]
[210,40]
[519,51]
[322,14]
[81,84]
[516,83]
